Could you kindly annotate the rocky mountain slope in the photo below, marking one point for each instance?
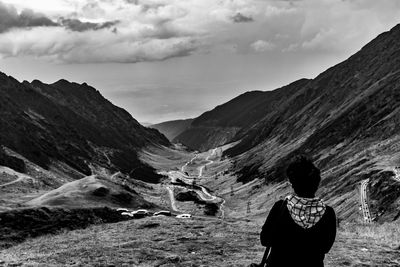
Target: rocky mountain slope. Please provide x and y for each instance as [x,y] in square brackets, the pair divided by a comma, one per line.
[72,124]
[226,122]
[172,129]
[347,119]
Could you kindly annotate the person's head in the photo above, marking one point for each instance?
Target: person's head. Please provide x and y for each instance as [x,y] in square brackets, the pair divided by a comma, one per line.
[304,176]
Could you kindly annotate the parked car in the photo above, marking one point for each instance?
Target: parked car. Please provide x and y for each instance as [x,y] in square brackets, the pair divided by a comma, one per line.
[184,216]
[122,209]
[127,214]
[163,213]
[140,213]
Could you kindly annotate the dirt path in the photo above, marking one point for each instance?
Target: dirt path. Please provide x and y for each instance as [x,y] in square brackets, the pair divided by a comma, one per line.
[364,204]
[21,176]
[221,209]
[108,158]
[172,199]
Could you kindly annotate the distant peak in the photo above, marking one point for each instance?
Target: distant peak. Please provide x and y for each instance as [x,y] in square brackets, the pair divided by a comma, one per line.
[36,82]
[62,81]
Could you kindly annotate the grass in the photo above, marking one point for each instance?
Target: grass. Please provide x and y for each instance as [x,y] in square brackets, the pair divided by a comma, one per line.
[191,242]
[386,234]
[200,241]
[366,245]
[147,242]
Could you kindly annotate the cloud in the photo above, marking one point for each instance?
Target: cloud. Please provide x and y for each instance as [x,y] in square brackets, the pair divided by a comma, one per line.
[128,31]
[135,2]
[94,9]
[10,18]
[92,37]
[240,18]
[79,26]
[262,46]
[341,26]
[100,47]
[133,52]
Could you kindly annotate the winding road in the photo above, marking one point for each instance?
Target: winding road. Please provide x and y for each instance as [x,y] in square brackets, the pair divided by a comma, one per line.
[21,176]
[209,162]
[363,193]
[187,163]
[115,174]
[364,203]
[203,193]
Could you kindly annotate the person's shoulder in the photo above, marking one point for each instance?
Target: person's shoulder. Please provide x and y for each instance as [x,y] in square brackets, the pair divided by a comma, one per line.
[275,210]
[278,205]
[330,209]
[330,212]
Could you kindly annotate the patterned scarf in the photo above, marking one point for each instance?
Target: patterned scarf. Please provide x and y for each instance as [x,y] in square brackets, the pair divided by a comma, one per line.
[306,212]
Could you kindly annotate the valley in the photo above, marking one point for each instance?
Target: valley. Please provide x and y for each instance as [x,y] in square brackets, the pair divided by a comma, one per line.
[70,159]
[225,239]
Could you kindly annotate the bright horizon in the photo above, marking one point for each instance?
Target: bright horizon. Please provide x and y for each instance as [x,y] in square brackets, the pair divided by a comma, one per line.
[165,60]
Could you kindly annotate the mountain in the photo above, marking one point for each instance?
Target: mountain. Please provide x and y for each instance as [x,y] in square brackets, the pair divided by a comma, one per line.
[346,119]
[72,124]
[146,124]
[227,122]
[172,129]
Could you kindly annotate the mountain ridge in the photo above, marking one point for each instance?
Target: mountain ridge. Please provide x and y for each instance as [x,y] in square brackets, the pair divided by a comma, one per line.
[72,123]
[172,129]
[346,119]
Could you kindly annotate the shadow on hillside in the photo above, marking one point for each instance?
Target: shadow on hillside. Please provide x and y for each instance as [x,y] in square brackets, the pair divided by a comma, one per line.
[18,225]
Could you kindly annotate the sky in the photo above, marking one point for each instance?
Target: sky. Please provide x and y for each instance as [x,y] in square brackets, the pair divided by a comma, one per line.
[173,59]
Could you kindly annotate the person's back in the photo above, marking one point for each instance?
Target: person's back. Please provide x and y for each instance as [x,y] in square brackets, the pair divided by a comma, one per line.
[301,229]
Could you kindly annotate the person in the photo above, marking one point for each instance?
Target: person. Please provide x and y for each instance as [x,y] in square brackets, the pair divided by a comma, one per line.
[300,229]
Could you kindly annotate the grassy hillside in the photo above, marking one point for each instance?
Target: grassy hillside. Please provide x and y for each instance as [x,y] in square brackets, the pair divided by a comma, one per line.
[225,123]
[72,124]
[92,191]
[194,242]
[346,119]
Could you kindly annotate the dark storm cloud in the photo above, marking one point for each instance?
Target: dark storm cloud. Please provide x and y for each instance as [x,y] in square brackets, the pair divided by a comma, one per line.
[79,26]
[10,18]
[240,18]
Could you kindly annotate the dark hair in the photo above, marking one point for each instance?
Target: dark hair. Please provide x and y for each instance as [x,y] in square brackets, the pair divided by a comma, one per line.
[304,176]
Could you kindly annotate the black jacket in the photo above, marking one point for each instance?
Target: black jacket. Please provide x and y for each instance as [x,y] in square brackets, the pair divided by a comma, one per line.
[292,245]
